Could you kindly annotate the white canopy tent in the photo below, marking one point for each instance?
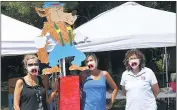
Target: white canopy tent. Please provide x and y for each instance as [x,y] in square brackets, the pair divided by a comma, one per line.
[17,38]
[127,26]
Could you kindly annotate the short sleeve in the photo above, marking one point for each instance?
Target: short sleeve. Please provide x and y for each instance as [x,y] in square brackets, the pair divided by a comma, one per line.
[153,79]
[122,82]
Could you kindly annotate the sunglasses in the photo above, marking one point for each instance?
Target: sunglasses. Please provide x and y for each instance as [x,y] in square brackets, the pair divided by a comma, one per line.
[33,64]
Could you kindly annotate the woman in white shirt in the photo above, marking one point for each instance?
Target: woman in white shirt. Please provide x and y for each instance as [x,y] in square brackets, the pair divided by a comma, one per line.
[139,83]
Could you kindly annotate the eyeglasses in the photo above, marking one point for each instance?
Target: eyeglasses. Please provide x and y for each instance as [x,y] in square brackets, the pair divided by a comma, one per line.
[33,64]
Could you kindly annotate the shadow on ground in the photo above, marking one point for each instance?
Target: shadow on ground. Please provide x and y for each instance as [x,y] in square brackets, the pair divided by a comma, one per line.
[4,100]
[117,108]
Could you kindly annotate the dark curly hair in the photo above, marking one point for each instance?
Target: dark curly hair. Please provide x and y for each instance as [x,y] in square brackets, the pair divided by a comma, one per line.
[136,52]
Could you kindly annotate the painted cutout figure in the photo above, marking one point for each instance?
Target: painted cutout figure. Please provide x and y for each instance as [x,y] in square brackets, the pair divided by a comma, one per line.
[57,30]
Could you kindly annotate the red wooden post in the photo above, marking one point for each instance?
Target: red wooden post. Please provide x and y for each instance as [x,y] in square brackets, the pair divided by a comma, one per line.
[69,93]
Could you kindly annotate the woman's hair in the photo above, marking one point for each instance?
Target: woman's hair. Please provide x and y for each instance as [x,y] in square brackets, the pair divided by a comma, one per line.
[27,57]
[91,55]
[136,52]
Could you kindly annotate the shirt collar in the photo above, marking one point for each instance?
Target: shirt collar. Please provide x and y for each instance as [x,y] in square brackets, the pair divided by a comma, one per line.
[139,74]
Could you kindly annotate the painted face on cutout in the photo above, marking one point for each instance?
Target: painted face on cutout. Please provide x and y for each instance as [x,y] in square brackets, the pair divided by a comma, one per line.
[134,61]
[91,63]
[32,66]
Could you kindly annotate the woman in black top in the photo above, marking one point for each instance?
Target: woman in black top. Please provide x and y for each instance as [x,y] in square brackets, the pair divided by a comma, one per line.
[30,93]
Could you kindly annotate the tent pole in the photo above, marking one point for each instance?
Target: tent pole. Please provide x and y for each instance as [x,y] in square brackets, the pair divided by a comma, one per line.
[166,69]
[166,65]
[109,63]
[64,67]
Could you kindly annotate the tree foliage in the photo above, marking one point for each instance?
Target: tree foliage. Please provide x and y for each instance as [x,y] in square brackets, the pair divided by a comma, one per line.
[25,12]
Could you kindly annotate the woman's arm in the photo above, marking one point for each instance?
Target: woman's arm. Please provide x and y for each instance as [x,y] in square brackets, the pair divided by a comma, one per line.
[51,96]
[17,94]
[113,86]
[154,84]
[123,90]
[155,89]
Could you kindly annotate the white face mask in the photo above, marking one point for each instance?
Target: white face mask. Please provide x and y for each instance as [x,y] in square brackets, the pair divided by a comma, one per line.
[33,69]
[134,63]
[92,65]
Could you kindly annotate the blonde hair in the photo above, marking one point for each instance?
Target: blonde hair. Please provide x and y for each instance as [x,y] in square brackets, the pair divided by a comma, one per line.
[91,55]
[27,57]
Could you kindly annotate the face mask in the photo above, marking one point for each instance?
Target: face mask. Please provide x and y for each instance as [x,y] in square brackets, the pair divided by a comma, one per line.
[92,65]
[134,63]
[33,70]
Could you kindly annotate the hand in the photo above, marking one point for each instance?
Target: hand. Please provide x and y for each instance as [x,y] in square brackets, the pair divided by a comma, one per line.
[40,42]
[55,88]
[55,84]
[109,106]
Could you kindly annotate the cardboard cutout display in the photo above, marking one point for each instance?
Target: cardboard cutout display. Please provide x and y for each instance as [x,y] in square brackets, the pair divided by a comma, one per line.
[57,31]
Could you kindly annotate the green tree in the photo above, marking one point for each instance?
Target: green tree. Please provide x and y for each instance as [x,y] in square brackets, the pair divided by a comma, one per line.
[91,9]
[25,11]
